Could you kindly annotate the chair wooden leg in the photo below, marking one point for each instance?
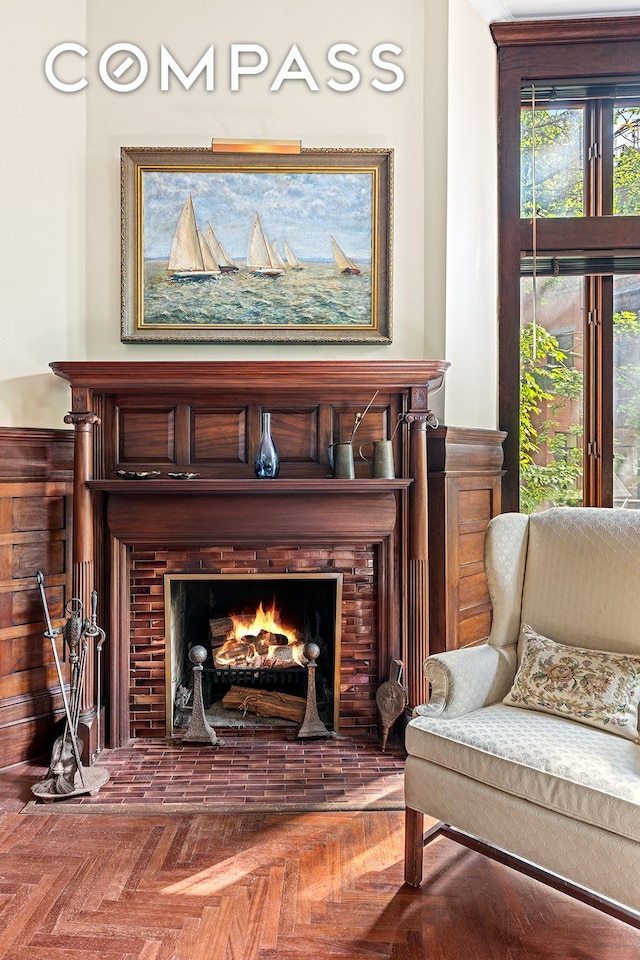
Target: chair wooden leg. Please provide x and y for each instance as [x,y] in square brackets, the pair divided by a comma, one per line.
[413,847]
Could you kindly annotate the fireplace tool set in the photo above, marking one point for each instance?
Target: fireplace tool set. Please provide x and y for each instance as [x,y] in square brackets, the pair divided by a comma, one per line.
[67,777]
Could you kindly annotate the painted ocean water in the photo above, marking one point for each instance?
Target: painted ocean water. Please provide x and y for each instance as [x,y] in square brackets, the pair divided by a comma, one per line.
[317,295]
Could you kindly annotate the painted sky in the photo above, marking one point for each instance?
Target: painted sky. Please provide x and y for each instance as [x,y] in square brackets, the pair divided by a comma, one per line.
[302,208]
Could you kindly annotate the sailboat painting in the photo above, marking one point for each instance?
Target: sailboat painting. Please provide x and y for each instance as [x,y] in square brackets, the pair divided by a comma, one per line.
[293,249]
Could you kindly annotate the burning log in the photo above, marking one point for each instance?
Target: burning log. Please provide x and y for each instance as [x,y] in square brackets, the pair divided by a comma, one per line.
[237,653]
[266,639]
[254,652]
[287,656]
[219,630]
[273,639]
[262,641]
[265,703]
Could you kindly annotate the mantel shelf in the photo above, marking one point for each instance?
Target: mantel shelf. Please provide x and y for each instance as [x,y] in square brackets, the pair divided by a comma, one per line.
[251,377]
[291,487]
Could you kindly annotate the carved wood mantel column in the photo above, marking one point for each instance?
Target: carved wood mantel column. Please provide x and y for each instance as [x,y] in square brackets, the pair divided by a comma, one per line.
[83,420]
[416,643]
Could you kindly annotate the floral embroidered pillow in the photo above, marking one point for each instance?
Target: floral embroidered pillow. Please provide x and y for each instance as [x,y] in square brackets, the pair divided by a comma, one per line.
[590,686]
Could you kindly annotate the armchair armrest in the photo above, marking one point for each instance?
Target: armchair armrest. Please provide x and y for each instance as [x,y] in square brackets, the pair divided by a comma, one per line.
[467,679]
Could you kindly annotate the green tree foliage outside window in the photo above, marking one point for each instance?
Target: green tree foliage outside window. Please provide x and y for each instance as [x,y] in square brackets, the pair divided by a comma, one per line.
[626,173]
[558,162]
[626,332]
[550,468]
[551,462]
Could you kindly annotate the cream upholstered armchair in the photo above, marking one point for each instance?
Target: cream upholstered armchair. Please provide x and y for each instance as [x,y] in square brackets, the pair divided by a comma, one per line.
[529,742]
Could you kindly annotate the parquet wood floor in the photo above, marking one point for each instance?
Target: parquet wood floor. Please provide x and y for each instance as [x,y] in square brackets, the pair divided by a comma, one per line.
[199,883]
[327,886]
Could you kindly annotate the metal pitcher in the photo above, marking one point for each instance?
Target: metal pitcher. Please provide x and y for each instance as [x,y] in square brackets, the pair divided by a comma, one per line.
[381,463]
[341,460]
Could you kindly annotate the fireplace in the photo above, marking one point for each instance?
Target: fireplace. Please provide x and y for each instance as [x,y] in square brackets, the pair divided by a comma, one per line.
[255,629]
[348,576]
[195,427]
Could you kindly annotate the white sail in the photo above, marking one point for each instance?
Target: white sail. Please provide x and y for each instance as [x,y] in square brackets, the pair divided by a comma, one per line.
[227,261]
[190,256]
[275,256]
[214,246]
[345,265]
[292,260]
[259,256]
[209,262]
[220,255]
[185,250]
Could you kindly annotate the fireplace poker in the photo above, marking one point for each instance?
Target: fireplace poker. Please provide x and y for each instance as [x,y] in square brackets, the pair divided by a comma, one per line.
[93,630]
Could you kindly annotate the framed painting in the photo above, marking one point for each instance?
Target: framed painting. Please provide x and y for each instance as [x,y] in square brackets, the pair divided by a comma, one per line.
[242,247]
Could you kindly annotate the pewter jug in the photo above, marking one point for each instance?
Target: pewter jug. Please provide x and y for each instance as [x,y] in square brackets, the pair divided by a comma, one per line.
[381,463]
[341,460]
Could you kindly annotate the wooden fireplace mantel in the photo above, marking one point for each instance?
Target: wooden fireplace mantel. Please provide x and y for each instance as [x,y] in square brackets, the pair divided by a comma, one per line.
[203,376]
[204,417]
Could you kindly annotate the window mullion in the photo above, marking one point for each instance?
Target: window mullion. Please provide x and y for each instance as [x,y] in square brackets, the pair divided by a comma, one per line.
[592,161]
[598,154]
[598,392]
[604,425]
[591,449]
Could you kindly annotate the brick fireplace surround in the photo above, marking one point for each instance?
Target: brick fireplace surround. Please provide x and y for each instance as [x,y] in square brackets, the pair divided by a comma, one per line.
[204,417]
[358,664]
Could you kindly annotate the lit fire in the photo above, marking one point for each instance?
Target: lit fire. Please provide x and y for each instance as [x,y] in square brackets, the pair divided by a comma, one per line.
[263,620]
[260,642]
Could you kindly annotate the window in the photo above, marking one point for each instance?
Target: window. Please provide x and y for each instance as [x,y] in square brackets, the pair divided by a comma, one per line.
[569,283]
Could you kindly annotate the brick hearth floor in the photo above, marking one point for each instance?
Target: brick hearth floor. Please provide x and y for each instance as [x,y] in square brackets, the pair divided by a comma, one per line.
[251,772]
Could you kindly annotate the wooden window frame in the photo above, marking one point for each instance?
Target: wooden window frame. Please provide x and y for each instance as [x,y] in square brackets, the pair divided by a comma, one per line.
[538,51]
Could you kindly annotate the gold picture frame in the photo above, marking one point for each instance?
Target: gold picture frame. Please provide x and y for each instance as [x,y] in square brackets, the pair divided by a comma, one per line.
[250,248]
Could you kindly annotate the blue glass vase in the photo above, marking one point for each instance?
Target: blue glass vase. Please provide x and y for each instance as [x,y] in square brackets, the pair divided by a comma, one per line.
[267,461]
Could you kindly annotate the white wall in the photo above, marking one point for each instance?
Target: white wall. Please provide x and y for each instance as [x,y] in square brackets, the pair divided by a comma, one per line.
[69,146]
[42,241]
[471,240]
[363,117]
[435,175]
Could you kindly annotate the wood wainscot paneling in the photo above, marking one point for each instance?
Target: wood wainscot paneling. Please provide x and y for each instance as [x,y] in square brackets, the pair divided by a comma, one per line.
[36,483]
[465,472]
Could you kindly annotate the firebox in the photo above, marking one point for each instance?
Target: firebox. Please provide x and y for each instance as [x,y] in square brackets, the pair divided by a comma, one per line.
[255,628]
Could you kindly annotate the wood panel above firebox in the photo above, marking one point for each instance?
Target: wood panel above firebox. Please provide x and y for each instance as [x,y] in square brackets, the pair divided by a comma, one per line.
[204,418]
